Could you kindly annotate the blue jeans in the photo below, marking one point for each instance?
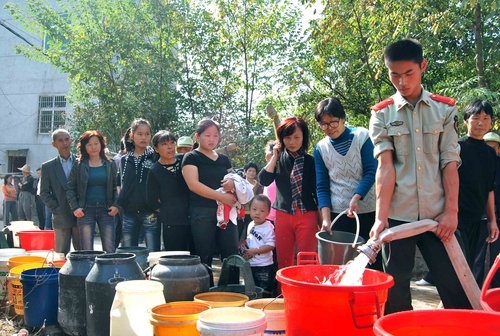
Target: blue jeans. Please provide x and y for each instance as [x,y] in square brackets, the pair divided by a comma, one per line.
[97,213]
[131,227]
[48,219]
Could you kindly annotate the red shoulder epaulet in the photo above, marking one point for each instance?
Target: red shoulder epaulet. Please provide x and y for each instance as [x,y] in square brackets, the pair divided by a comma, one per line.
[383,104]
[443,99]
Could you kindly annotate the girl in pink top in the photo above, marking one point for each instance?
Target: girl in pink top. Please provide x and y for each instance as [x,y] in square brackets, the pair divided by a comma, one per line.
[270,191]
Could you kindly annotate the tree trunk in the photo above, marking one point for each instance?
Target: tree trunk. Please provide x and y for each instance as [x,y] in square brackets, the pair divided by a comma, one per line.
[478,42]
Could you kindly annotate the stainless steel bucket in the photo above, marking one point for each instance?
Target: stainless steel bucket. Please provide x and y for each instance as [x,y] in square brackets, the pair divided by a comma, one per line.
[336,248]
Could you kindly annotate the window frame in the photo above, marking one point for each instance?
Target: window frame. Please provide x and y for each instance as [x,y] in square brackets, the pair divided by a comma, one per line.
[53,107]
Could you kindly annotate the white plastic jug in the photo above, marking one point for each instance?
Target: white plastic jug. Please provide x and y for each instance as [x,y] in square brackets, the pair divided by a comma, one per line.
[129,313]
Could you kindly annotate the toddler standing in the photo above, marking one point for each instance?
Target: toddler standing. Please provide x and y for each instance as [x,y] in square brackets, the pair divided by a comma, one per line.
[260,245]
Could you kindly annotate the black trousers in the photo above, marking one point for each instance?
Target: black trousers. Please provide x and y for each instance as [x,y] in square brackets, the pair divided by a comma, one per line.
[176,237]
[208,238]
[400,265]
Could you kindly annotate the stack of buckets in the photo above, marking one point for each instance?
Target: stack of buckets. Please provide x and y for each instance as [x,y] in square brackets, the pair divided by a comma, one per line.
[210,313]
[31,283]
[213,313]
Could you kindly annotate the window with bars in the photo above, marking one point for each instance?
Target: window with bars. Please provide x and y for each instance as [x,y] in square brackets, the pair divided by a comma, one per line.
[52,113]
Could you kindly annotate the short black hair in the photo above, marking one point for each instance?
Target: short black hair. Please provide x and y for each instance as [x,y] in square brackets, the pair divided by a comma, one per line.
[476,107]
[262,198]
[162,136]
[331,107]
[404,50]
[250,165]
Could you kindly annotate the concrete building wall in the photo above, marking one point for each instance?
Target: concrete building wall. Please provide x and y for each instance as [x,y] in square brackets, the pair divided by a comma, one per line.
[22,82]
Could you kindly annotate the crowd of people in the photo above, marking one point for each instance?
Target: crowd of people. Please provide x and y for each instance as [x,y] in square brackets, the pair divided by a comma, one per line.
[409,165]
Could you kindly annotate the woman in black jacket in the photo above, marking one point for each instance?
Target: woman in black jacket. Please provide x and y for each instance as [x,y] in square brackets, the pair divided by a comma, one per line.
[134,170]
[296,203]
[92,191]
[168,193]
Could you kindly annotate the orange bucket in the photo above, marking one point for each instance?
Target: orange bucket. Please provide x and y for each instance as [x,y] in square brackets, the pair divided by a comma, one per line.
[454,322]
[177,318]
[222,299]
[15,288]
[20,260]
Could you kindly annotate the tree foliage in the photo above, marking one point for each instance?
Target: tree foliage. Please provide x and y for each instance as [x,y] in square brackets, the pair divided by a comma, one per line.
[177,61]
[348,40]
[119,55]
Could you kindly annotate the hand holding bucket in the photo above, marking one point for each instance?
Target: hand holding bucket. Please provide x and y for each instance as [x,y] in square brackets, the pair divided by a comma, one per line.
[357,224]
[338,247]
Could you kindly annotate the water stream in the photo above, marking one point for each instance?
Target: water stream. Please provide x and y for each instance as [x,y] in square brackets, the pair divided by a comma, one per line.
[350,274]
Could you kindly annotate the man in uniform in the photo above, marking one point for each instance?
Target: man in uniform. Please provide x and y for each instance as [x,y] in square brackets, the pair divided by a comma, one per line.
[415,137]
[53,186]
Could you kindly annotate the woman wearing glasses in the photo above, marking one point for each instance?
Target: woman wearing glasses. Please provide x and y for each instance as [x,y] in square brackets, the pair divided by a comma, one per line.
[345,171]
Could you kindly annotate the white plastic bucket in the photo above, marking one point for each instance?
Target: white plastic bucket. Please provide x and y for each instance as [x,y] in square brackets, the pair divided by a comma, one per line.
[17,226]
[129,313]
[231,321]
[275,314]
[49,255]
[153,257]
[5,254]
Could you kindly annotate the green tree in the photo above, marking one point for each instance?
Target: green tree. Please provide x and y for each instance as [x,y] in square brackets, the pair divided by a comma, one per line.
[230,52]
[346,47]
[119,55]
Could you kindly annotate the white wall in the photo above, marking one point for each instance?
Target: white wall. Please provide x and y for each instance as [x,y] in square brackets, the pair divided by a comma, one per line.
[22,81]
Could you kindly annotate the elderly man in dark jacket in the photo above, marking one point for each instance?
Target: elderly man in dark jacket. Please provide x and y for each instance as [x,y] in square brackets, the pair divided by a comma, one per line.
[53,189]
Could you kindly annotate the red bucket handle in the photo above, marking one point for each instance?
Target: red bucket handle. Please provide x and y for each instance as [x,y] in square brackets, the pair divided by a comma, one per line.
[307,258]
[365,309]
[489,277]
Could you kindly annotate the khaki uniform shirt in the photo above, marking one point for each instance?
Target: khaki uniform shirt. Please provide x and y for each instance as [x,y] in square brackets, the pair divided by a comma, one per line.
[423,140]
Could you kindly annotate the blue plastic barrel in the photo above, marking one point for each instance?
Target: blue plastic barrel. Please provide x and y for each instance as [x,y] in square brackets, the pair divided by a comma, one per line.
[40,288]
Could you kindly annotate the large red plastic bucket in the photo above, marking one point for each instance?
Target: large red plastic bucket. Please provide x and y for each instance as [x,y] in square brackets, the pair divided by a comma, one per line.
[313,309]
[490,298]
[454,322]
[36,240]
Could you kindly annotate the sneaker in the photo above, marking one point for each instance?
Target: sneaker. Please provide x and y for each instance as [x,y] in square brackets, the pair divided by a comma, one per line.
[423,282]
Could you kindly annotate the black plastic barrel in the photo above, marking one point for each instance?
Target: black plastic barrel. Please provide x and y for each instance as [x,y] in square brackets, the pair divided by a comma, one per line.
[107,272]
[141,254]
[182,276]
[71,312]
